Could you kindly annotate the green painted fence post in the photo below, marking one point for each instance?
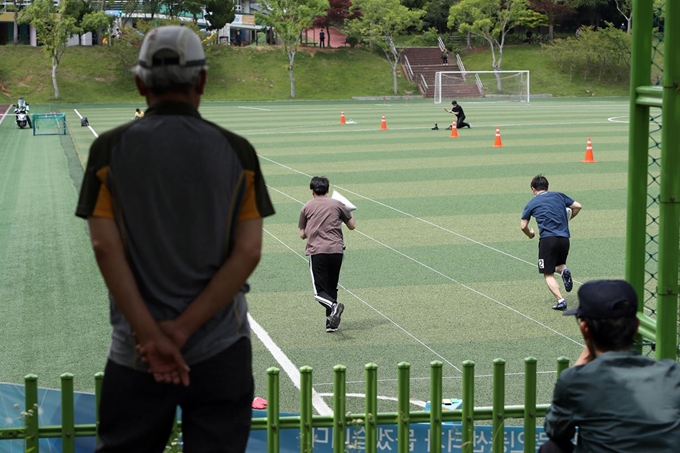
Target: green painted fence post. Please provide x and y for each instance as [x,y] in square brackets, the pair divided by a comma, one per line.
[530,405]
[31,413]
[404,402]
[562,364]
[68,437]
[436,395]
[468,435]
[98,379]
[498,428]
[339,405]
[273,431]
[306,431]
[371,421]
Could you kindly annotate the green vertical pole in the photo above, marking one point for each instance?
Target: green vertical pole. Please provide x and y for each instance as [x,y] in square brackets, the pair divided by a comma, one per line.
[273,431]
[638,144]
[562,364]
[31,413]
[403,402]
[498,423]
[68,438]
[98,380]
[530,405]
[371,422]
[306,431]
[669,210]
[436,394]
[468,435]
[339,406]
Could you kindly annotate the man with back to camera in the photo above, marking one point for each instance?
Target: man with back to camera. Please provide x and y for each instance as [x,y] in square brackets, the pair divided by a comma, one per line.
[457,110]
[320,222]
[175,207]
[619,400]
[549,210]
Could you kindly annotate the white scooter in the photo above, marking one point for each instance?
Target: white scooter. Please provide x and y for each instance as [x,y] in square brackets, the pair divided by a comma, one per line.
[21,117]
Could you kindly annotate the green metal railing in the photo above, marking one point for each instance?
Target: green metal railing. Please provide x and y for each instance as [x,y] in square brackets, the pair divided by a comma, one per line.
[370,420]
[653,218]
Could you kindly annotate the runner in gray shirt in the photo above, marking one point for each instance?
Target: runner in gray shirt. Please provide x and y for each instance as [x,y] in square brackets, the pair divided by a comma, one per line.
[320,223]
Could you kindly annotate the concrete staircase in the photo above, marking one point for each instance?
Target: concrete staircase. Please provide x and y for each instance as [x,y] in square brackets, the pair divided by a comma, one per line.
[425,62]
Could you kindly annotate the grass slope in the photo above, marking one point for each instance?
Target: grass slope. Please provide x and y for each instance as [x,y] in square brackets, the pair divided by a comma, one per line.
[95,74]
[546,78]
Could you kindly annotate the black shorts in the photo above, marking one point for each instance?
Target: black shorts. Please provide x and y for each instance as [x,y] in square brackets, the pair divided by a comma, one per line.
[552,252]
[136,413]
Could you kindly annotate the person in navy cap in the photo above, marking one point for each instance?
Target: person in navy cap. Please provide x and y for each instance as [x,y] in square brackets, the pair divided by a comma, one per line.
[619,400]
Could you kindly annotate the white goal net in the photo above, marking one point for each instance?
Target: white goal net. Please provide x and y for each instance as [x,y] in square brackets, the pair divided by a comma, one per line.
[511,85]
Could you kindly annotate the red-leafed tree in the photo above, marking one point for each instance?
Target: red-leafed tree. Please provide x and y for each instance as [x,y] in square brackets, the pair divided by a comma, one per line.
[337,13]
[555,10]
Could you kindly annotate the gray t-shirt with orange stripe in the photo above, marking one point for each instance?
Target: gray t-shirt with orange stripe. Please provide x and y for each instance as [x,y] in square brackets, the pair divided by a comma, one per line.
[176,186]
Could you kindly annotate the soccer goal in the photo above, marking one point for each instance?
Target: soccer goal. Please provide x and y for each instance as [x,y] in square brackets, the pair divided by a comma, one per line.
[511,85]
[49,124]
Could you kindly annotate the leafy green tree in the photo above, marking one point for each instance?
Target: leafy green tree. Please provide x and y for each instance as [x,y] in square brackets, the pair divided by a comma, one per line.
[53,28]
[625,7]
[604,54]
[379,22]
[555,10]
[492,20]
[219,13]
[288,18]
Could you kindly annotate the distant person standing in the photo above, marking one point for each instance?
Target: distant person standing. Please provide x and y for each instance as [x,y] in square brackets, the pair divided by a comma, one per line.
[457,110]
[322,39]
[320,223]
[550,211]
[445,57]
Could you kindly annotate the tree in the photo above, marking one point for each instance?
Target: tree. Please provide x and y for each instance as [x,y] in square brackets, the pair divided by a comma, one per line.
[379,22]
[53,28]
[288,18]
[219,13]
[492,20]
[337,13]
[625,7]
[555,10]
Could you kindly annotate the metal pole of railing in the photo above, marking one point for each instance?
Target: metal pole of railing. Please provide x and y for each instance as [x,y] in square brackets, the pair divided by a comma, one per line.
[403,398]
[98,380]
[436,406]
[562,364]
[339,404]
[530,405]
[68,438]
[498,422]
[306,431]
[468,435]
[31,413]
[273,432]
[371,421]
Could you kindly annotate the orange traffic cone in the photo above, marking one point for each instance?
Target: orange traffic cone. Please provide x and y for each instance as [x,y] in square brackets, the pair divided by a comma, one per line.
[498,143]
[454,130]
[383,125]
[342,118]
[589,152]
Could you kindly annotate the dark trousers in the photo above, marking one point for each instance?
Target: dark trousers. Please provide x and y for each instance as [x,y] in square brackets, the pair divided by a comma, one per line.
[552,446]
[325,269]
[137,413]
[460,122]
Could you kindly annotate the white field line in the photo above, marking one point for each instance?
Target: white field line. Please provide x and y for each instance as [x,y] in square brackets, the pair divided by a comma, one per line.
[5,114]
[288,366]
[89,127]
[441,274]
